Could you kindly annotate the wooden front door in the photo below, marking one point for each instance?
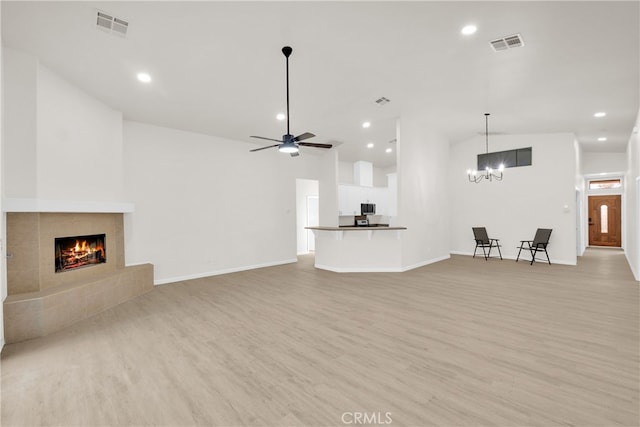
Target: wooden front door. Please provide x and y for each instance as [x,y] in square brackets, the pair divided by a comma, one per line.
[604,221]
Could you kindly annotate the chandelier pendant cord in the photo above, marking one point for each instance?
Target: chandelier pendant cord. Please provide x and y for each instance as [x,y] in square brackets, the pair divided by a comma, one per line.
[486,130]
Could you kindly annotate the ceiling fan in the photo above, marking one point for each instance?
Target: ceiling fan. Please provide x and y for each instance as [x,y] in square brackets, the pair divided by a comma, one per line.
[289,143]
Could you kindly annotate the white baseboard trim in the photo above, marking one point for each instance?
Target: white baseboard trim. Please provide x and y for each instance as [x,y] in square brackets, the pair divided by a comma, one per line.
[513,258]
[540,261]
[561,262]
[427,262]
[461,253]
[138,263]
[633,270]
[220,272]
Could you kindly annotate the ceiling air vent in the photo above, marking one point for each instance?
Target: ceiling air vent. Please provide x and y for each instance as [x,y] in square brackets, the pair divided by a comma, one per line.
[382,101]
[111,24]
[508,42]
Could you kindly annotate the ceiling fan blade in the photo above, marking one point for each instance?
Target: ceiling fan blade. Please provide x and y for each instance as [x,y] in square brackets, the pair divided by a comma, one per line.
[303,136]
[313,144]
[268,139]
[264,148]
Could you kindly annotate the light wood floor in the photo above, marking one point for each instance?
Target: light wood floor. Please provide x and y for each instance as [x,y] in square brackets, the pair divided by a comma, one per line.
[464,342]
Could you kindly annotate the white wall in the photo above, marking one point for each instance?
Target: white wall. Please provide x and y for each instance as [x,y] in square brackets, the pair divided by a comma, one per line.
[60,143]
[304,189]
[379,177]
[3,216]
[20,77]
[79,144]
[423,197]
[206,205]
[345,172]
[603,162]
[632,202]
[530,197]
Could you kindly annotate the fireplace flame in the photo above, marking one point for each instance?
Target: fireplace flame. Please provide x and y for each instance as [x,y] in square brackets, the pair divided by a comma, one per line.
[78,252]
[81,250]
[84,247]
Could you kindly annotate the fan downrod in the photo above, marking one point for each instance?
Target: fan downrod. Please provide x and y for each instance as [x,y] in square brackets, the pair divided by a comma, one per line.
[289,143]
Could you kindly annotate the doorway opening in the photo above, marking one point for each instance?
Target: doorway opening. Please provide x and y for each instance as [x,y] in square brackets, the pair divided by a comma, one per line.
[307,214]
[605,220]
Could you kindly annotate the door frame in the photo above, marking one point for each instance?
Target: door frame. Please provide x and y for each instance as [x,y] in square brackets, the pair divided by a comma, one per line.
[594,201]
[313,220]
[304,189]
[606,192]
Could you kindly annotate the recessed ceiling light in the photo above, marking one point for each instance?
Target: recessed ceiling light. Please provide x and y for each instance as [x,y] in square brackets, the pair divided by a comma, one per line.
[366,124]
[600,114]
[144,77]
[281,116]
[602,138]
[388,150]
[469,29]
[370,145]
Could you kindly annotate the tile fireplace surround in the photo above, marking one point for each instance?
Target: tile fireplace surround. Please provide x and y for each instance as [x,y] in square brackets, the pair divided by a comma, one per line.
[41,301]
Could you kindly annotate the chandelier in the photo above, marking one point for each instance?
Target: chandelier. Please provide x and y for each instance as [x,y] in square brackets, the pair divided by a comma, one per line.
[489,174]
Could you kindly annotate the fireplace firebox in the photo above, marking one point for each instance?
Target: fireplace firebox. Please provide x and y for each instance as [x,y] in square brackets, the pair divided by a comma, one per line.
[79,251]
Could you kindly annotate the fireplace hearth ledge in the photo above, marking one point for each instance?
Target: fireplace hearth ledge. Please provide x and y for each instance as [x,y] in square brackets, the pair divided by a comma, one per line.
[43,205]
[36,314]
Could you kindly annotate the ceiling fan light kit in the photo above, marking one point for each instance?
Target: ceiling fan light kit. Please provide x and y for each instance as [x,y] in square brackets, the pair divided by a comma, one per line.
[290,144]
[288,148]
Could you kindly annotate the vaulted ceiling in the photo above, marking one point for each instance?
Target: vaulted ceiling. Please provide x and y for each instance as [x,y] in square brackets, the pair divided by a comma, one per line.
[217,68]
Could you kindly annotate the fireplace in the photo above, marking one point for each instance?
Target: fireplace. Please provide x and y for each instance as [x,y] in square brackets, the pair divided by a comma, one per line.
[42,247]
[79,251]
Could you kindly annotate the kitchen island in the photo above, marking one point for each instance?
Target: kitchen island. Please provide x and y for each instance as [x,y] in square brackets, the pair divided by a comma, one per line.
[358,249]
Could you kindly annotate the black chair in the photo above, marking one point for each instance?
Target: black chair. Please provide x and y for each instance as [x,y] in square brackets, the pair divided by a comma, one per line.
[538,244]
[483,241]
